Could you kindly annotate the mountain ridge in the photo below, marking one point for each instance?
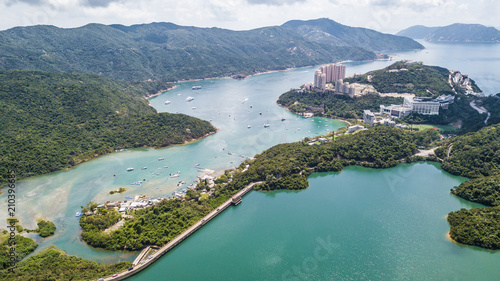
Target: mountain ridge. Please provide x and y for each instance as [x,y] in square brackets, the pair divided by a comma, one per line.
[326,30]
[168,52]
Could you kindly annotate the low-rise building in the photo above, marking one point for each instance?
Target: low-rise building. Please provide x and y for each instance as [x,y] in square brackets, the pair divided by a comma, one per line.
[354,128]
[388,122]
[421,106]
[397,111]
[368,117]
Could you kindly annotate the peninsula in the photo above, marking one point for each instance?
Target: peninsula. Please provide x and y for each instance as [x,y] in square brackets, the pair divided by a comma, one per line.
[55,121]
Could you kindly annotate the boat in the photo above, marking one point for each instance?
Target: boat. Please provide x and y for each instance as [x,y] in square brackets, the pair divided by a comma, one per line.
[195,87]
[197,165]
[266,125]
[193,108]
[174,176]
[161,158]
[136,183]
[78,214]
[244,100]
[283,118]
[130,169]
[189,98]
[249,126]
[144,168]
[168,102]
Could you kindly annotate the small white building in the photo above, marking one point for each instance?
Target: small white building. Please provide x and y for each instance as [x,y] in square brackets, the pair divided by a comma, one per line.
[354,128]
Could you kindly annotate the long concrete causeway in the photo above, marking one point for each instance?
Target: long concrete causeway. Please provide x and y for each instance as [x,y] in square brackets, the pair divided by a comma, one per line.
[142,261]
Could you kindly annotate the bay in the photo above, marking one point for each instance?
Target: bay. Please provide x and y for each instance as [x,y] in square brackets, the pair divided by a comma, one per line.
[226,102]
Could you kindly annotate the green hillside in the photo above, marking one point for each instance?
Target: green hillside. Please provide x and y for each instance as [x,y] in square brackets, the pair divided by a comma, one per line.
[475,155]
[165,51]
[330,32]
[53,121]
[54,264]
[402,77]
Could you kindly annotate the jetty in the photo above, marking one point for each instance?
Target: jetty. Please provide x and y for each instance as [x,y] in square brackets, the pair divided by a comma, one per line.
[143,260]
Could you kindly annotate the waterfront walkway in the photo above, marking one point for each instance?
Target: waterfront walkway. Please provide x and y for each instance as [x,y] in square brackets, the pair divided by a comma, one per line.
[142,261]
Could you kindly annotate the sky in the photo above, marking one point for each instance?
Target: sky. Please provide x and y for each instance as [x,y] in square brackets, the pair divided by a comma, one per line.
[389,16]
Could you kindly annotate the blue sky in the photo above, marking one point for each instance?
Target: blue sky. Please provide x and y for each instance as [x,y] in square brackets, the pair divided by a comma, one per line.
[387,16]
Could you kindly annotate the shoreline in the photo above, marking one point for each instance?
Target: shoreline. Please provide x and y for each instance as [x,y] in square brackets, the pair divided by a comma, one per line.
[451,239]
[103,154]
[336,119]
[157,94]
[273,71]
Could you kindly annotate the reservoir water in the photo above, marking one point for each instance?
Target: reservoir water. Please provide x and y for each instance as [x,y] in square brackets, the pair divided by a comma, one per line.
[384,224]
[360,224]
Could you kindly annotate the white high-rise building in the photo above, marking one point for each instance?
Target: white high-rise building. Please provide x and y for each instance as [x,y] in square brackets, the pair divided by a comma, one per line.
[328,74]
[422,107]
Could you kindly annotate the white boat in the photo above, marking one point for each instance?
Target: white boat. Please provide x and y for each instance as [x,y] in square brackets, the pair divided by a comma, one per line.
[130,169]
[144,168]
[195,87]
[189,98]
[266,125]
[283,118]
[168,102]
[249,126]
[193,108]
[78,214]
[161,158]
[174,176]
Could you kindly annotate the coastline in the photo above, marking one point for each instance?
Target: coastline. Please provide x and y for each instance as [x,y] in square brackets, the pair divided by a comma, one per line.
[159,93]
[451,239]
[102,154]
[277,70]
[336,119]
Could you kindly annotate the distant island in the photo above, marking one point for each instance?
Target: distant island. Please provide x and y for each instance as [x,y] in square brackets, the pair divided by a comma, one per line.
[169,52]
[457,32]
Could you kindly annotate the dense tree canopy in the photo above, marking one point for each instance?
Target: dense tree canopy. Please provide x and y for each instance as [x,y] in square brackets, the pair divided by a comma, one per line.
[478,227]
[54,264]
[53,121]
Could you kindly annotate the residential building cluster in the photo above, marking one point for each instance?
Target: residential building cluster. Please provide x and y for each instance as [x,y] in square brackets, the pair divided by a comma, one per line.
[344,88]
[418,105]
[330,74]
[463,81]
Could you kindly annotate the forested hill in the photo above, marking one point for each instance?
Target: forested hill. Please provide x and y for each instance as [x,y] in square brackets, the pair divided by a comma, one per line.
[165,51]
[52,121]
[410,77]
[330,32]
[475,155]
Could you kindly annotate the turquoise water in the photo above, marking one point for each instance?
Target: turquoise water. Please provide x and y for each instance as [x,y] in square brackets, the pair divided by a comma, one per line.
[226,102]
[58,196]
[360,224]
